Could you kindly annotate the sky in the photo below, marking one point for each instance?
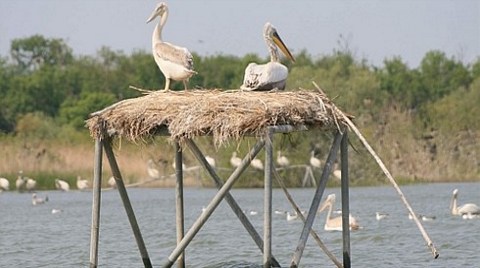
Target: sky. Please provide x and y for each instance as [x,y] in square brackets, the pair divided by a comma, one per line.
[373,30]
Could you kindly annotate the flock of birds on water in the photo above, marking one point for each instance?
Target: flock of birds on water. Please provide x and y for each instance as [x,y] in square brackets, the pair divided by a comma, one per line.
[176,63]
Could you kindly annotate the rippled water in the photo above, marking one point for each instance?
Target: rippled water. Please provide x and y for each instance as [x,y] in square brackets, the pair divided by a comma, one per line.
[31,236]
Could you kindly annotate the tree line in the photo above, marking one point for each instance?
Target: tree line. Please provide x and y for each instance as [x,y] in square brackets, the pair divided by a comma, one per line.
[42,78]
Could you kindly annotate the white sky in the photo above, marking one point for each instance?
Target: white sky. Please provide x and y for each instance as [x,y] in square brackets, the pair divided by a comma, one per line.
[374,29]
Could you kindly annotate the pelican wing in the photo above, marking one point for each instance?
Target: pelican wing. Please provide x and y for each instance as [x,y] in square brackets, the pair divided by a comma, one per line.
[175,54]
[265,76]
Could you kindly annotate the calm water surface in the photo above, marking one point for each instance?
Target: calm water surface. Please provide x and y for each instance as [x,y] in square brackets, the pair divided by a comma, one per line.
[31,236]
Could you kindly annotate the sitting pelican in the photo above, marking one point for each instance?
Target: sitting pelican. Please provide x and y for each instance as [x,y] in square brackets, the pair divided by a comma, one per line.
[211,161]
[112,183]
[235,161]
[30,184]
[264,77]
[335,223]
[175,62]
[62,185]
[152,169]
[257,164]
[82,184]
[314,161]
[4,184]
[38,200]
[468,208]
[282,160]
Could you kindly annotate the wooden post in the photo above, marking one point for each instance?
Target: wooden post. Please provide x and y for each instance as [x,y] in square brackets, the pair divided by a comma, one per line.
[316,201]
[213,204]
[179,201]
[97,188]
[229,198]
[345,201]
[126,203]
[267,216]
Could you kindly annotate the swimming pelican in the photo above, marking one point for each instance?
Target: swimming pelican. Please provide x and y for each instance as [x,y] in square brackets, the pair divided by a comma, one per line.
[211,161]
[314,161]
[82,184]
[380,216]
[4,184]
[335,223]
[20,182]
[263,77]
[38,200]
[235,161]
[30,184]
[175,62]
[257,164]
[112,183]
[282,160]
[468,208]
[152,169]
[62,185]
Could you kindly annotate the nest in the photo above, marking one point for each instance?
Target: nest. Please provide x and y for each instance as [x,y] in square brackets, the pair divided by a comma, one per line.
[223,114]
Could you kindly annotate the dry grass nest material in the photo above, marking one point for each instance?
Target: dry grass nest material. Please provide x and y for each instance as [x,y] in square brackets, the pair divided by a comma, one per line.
[222,114]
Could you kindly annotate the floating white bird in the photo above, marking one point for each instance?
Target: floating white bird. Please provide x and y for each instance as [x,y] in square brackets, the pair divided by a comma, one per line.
[422,217]
[30,184]
[235,161]
[253,212]
[282,160]
[257,164]
[20,182]
[112,183]
[56,211]
[175,62]
[62,185]
[211,161]
[314,161]
[468,208]
[38,200]
[264,77]
[335,223]
[152,169]
[380,216]
[82,184]
[292,216]
[4,184]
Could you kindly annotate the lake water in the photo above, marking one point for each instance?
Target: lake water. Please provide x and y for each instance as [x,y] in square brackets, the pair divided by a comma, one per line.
[31,236]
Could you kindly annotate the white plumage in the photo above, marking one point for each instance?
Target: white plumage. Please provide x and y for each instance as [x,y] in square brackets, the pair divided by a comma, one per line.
[468,208]
[282,160]
[4,184]
[82,184]
[264,77]
[62,185]
[38,200]
[30,184]
[235,161]
[211,161]
[315,162]
[152,169]
[335,223]
[257,164]
[175,62]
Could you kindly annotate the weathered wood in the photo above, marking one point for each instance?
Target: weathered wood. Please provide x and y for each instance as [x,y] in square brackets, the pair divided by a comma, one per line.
[316,201]
[213,204]
[345,201]
[180,220]
[267,207]
[300,215]
[97,188]
[229,198]
[126,203]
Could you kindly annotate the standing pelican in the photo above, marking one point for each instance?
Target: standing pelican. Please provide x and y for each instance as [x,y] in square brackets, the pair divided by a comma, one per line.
[314,161]
[235,161]
[264,77]
[152,169]
[30,184]
[20,182]
[282,160]
[211,161]
[468,208]
[335,223]
[257,164]
[175,62]
[112,182]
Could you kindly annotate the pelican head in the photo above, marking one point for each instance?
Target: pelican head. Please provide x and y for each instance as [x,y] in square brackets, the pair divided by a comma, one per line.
[328,202]
[159,11]
[271,37]
[453,202]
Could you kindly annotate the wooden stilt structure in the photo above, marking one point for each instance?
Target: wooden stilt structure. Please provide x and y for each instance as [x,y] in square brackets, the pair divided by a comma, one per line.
[314,111]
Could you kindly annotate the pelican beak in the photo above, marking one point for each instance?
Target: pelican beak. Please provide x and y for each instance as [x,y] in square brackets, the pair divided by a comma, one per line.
[278,41]
[154,14]
[324,205]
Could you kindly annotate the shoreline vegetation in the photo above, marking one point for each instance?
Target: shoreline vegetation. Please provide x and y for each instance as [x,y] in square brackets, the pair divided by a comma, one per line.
[422,121]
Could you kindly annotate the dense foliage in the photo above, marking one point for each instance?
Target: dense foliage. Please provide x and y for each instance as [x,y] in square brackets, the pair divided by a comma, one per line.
[45,90]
